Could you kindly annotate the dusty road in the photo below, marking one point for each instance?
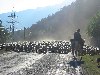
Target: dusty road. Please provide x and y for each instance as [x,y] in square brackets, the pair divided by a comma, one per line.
[12,63]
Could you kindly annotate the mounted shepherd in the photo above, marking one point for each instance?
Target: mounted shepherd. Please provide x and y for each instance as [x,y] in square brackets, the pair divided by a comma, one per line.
[77,43]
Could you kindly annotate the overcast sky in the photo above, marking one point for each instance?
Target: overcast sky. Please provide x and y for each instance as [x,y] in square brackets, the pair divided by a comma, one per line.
[20,5]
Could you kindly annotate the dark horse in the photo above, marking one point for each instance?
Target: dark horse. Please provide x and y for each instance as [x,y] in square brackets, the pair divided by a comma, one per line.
[77,50]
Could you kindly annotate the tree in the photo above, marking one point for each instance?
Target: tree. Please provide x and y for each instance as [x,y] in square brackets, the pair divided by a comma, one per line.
[93,29]
[3,33]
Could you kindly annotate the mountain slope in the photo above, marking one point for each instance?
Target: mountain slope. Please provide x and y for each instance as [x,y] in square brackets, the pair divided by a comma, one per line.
[27,17]
[63,23]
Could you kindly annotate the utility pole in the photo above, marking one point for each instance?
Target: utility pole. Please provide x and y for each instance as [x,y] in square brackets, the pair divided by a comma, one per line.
[12,22]
[24,33]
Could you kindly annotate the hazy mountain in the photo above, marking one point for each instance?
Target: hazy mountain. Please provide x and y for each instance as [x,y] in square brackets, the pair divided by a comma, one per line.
[63,23]
[28,17]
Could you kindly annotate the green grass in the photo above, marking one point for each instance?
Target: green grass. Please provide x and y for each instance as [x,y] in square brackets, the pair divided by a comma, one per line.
[91,64]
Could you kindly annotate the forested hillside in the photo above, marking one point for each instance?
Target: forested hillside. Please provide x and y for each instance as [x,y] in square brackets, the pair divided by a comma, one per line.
[63,23]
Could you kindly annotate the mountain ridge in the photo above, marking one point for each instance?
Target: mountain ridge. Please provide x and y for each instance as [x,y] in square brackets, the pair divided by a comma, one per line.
[62,24]
[28,17]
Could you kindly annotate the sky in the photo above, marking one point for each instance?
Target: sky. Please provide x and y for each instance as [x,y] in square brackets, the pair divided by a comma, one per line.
[20,5]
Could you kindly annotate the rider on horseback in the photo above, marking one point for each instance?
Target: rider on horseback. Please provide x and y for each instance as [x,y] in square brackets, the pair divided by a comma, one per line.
[77,38]
[79,42]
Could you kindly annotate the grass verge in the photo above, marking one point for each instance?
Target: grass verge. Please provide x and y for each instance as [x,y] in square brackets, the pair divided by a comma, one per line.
[91,65]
